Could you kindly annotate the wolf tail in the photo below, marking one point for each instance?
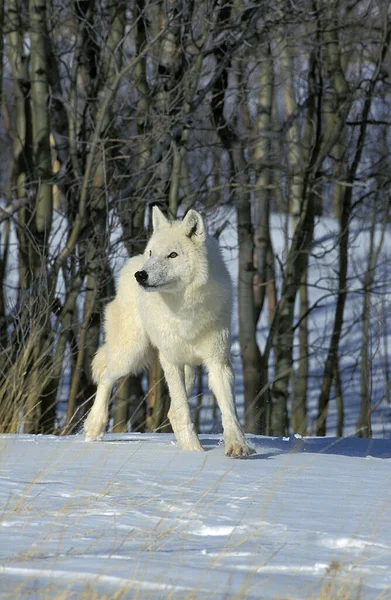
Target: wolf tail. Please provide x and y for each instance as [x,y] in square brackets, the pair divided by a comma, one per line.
[99,364]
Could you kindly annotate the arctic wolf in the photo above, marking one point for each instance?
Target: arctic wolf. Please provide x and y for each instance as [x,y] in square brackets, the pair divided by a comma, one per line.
[176,299]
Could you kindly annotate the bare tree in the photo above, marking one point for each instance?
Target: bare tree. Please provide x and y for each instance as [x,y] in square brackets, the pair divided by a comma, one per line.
[263,108]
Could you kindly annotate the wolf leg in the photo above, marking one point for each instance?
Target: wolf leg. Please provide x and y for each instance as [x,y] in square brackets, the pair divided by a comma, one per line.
[221,380]
[95,424]
[190,375]
[179,413]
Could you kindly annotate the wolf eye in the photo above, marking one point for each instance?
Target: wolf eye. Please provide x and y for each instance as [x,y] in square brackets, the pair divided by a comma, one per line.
[150,253]
[173,255]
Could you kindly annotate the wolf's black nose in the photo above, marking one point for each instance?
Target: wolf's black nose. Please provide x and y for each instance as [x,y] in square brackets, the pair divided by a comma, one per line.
[141,276]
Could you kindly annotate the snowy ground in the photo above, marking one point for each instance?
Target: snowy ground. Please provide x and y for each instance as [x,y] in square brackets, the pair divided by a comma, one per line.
[133,516]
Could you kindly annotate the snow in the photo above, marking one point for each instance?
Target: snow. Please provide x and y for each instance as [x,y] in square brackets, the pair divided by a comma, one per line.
[133,516]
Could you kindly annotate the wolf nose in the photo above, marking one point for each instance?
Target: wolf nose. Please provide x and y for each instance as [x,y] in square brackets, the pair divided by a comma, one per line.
[141,276]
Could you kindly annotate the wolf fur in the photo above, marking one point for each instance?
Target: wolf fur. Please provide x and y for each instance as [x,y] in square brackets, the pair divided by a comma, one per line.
[176,298]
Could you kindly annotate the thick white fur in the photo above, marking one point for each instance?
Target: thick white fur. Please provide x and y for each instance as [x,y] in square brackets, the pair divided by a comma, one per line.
[185,314]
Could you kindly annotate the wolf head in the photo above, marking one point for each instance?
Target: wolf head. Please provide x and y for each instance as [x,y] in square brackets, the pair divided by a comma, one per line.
[176,254]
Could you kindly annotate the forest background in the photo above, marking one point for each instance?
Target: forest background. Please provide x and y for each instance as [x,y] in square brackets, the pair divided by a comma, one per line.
[243,110]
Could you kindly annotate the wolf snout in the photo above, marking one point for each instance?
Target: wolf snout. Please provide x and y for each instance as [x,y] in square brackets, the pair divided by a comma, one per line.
[141,277]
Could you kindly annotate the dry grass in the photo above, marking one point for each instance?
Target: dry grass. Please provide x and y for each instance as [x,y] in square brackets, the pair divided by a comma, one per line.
[26,378]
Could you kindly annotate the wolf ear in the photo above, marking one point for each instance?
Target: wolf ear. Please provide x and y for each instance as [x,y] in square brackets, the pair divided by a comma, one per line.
[194,225]
[158,218]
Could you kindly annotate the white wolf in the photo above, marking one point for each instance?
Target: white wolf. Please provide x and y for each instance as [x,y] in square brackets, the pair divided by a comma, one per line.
[175,298]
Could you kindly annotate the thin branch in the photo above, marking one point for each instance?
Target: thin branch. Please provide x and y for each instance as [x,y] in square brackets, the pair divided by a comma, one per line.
[9,211]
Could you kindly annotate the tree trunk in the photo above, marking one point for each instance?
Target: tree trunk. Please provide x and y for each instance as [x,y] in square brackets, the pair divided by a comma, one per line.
[299,397]
[254,372]
[40,122]
[283,335]
[332,358]
[294,151]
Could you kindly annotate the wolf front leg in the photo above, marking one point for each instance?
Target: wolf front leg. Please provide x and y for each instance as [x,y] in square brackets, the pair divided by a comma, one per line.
[221,382]
[95,424]
[179,413]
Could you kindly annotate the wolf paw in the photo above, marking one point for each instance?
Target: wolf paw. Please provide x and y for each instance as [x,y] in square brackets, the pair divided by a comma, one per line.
[94,427]
[238,449]
[192,444]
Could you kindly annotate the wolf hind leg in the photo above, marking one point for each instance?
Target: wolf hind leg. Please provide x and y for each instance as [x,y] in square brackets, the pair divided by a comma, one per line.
[95,424]
[105,373]
[98,365]
[190,375]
